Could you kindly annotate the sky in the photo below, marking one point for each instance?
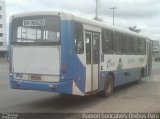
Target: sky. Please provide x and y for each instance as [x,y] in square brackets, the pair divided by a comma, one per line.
[145,14]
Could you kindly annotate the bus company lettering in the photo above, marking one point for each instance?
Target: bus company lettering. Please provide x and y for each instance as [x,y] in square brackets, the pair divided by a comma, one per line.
[110,63]
[36,22]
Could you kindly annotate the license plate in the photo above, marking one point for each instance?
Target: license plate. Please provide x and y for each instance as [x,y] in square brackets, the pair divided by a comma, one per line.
[35,77]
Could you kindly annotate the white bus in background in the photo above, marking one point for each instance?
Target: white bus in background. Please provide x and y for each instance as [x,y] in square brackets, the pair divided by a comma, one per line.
[63,53]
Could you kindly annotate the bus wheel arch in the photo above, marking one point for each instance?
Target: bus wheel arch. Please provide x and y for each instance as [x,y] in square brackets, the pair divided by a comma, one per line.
[109,84]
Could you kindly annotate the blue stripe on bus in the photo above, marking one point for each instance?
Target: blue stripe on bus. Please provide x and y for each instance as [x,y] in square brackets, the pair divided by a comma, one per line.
[61,87]
[79,74]
[120,77]
[75,69]
[66,48]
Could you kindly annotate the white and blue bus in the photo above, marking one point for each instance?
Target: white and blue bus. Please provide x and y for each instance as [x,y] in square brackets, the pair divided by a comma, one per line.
[63,53]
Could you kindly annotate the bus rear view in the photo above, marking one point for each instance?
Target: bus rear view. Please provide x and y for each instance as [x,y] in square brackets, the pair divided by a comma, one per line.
[35,52]
[35,48]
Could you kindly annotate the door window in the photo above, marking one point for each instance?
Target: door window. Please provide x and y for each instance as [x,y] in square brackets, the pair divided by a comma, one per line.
[88,47]
[95,48]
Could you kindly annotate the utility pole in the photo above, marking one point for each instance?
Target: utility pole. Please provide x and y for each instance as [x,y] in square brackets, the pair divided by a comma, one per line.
[113,8]
[96,17]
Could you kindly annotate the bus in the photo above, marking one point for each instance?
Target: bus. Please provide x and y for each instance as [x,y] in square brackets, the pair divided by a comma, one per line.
[62,53]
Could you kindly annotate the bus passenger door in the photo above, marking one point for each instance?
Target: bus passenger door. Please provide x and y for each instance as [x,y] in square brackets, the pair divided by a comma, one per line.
[92,40]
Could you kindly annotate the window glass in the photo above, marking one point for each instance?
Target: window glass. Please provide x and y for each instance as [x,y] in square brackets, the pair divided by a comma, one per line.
[1,43]
[79,42]
[128,44]
[143,47]
[119,42]
[107,42]
[88,38]
[1,34]
[95,42]
[36,30]
[136,44]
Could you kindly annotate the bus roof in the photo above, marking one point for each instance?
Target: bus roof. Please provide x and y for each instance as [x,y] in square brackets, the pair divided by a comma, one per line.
[107,26]
[69,16]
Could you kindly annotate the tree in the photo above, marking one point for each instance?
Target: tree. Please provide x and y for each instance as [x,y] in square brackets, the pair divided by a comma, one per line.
[134,29]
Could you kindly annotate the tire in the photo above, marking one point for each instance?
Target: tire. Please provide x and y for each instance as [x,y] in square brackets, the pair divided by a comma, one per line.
[108,87]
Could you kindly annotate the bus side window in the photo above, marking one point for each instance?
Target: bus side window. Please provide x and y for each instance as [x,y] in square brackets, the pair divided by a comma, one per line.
[124,43]
[128,44]
[143,47]
[118,42]
[136,43]
[79,42]
[107,42]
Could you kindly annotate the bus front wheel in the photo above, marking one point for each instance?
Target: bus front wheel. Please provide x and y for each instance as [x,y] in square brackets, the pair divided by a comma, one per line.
[108,87]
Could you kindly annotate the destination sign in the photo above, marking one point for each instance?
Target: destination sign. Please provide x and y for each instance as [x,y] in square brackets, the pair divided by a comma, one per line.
[35,22]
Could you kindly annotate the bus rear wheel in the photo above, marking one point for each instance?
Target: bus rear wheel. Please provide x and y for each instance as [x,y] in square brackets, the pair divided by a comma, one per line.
[108,87]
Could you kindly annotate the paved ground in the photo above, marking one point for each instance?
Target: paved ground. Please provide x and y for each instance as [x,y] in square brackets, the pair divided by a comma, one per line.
[143,97]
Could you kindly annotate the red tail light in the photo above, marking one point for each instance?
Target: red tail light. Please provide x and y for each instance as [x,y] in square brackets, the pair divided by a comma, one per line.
[63,70]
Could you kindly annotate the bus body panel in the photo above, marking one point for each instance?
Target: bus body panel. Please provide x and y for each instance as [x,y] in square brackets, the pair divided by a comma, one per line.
[119,77]
[36,60]
[74,69]
[125,68]
[61,87]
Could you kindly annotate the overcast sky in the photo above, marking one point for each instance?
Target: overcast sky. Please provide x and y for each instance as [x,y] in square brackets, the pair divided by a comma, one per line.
[145,14]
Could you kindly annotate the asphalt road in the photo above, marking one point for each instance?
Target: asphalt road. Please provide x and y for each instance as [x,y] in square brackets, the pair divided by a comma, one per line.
[143,97]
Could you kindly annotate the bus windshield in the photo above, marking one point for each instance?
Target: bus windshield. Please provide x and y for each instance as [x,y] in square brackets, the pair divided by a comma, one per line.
[36,30]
